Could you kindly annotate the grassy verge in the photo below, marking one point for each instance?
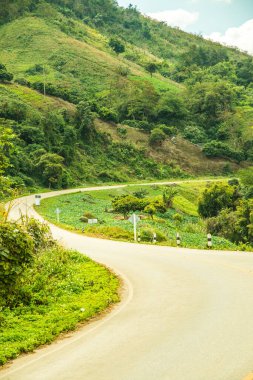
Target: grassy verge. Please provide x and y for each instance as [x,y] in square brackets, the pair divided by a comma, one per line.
[60,290]
[110,225]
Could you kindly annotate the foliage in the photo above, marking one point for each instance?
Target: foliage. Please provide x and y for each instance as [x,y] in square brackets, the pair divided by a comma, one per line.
[61,289]
[217,197]
[126,203]
[147,235]
[16,252]
[5,76]
[237,226]
[220,149]
[151,68]
[111,225]
[157,136]
[117,45]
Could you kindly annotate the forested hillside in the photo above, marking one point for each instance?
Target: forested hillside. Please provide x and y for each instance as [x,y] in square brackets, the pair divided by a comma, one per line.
[90,91]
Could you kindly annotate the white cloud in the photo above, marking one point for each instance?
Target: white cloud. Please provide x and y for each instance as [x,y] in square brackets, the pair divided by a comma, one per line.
[220,1]
[178,17]
[241,37]
[225,1]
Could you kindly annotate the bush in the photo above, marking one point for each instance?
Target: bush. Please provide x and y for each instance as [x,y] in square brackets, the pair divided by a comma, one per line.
[157,137]
[16,252]
[217,197]
[178,218]
[111,232]
[147,234]
[195,134]
[5,76]
[108,114]
[220,149]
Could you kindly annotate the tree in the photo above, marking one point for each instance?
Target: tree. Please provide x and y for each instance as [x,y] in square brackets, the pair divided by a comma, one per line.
[151,210]
[50,165]
[126,203]
[84,119]
[157,136]
[246,176]
[117,45]
[6,146]
[168,195]
[151,68]
[217,197]
[5,76]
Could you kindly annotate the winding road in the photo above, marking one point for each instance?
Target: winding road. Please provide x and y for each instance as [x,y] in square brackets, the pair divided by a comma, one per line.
[185,315]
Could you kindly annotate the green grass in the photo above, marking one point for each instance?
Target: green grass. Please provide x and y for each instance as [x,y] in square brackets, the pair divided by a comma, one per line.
[62,289]
[110,225]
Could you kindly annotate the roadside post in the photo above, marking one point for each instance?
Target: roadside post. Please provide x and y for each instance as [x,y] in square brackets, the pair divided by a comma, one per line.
[58,211]
[134,219]
[37,200]
[209,241]
[154,238]
[178,239]
[139,237]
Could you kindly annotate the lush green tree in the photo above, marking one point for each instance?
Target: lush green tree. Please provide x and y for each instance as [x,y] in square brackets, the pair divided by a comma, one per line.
[220,149]
[16,251]
[209,101]
[151,68]
[126,203]
[50,166]
[151,210]
[244,71]
[216,197]
[236,226]
[246,176]
[171,109]
[6,146]
[117,45]
[169,194]
[5,76]
[84,120]
[157,136]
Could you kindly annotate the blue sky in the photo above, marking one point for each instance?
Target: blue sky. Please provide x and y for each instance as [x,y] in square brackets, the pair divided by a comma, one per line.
[227,21]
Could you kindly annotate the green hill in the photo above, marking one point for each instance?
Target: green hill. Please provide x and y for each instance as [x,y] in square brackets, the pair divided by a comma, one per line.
[102,93]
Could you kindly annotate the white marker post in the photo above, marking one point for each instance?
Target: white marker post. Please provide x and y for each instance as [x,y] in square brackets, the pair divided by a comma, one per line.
[37,200]
[178,239]
[209,241]
[134,219]
[58,211]
[154,238]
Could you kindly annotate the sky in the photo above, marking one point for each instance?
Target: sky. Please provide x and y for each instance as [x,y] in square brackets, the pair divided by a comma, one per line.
[226,21]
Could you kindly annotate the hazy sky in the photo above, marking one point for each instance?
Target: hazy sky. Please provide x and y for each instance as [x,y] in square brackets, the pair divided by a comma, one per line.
[228,21]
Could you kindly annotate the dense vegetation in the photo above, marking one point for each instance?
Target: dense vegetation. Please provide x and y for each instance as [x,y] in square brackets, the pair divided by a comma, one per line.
[94,59]
[44,289]
[192,209]
[163,210]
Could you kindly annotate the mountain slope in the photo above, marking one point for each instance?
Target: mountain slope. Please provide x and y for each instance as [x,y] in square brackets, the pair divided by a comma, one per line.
[169,100]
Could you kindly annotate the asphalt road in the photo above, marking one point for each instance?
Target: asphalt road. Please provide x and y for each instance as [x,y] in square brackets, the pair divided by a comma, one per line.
[185,315]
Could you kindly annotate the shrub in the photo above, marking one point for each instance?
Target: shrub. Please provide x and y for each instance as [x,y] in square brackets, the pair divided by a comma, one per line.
[5,76]
[16,252]
[112,232]
[220,149]
[195,134]
[157,137]
[178,218]
[147,234]
[89,215]
[108,114]
[217,197]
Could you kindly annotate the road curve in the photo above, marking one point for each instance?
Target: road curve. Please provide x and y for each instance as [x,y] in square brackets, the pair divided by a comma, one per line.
[185,314]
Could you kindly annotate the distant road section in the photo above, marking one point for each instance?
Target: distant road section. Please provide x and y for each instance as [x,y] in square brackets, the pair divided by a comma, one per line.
[185,315]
